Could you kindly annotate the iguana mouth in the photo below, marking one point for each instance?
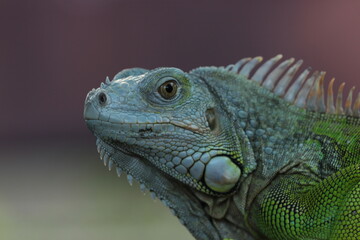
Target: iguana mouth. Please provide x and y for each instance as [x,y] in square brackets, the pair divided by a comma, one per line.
[219,177]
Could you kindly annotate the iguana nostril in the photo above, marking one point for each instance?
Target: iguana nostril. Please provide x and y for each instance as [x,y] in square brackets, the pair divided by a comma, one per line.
[102,98]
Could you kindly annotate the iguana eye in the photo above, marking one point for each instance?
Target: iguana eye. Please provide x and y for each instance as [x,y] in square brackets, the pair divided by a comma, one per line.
[168,89]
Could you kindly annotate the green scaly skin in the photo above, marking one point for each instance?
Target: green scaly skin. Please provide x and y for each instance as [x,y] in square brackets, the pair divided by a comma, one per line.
[231,159]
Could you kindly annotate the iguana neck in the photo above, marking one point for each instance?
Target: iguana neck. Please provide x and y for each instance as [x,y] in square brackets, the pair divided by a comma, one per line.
[270,123]
[284,138]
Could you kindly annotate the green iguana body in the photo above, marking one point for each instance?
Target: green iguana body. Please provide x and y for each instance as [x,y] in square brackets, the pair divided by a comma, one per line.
[236,152]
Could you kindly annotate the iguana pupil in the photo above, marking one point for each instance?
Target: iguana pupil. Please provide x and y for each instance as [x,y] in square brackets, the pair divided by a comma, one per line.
[169,88]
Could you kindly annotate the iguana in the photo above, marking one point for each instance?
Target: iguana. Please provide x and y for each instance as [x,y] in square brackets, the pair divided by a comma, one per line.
[246,151]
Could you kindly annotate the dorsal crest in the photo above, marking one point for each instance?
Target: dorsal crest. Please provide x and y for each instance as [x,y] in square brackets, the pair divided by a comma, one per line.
[305,90]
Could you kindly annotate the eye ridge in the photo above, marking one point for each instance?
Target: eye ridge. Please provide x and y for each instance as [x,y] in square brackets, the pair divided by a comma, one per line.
[168,89]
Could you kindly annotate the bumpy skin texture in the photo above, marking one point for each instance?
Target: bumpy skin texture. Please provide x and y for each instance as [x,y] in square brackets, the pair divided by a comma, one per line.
[235,155]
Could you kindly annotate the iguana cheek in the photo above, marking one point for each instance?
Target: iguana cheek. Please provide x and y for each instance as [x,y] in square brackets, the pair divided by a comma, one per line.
[221,174]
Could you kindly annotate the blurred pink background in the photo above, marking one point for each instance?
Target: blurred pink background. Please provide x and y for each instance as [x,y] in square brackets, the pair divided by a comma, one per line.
[52,52]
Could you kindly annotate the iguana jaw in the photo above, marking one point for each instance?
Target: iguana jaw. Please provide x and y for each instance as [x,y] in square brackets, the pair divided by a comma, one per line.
[219,176]
[180,199]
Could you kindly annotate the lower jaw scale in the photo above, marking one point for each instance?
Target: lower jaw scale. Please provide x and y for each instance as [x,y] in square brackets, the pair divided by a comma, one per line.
[110,162]
[106,157]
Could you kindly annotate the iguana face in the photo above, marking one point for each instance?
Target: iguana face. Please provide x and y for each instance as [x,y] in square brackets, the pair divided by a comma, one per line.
[168,119]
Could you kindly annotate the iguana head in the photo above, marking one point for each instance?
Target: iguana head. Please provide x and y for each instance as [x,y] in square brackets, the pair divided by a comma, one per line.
[171,121]
[167,129]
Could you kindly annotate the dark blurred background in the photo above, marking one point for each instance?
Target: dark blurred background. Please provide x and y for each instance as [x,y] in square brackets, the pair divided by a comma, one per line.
[52,52]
